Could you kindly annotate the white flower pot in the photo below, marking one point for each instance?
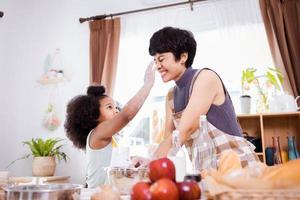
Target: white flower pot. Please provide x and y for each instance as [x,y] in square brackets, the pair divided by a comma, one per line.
[245,101]
[43,166]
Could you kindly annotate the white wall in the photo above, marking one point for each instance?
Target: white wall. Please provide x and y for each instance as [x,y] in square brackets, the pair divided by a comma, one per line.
[29,31]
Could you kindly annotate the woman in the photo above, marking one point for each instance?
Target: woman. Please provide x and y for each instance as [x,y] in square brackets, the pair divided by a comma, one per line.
[93,119]
[197,92]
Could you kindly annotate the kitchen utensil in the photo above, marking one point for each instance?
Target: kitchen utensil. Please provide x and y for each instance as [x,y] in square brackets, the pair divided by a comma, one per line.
[43,192]
[256,141]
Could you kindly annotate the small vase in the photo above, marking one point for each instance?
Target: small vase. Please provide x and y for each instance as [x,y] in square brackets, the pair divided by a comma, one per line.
[292,148]
[269,156]
[295,147]
[262,105]
[277,151]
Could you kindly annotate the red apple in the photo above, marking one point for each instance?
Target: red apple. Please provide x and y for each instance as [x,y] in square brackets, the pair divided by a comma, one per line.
[141,191]
[161,168]
[189,190]
[164,189]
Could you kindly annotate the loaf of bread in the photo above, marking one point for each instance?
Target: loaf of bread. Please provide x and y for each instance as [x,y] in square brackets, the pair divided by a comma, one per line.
[286,175]
[259,177]
[229,161]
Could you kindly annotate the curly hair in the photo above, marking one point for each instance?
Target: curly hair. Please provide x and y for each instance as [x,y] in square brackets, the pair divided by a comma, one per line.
[176,41]
[83,115]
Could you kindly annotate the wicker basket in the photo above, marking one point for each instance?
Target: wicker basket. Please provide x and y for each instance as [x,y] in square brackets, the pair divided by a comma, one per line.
[286,194]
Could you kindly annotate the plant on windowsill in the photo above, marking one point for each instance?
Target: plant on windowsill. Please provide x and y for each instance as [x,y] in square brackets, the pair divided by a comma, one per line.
[44,153]
[272,79]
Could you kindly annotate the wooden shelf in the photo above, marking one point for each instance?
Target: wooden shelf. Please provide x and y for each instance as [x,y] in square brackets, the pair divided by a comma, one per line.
[52,81]
[282,114]
[269,114]
[248,115]
[268,125]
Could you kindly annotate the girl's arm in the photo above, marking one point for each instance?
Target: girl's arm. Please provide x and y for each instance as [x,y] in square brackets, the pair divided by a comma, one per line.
[105,130]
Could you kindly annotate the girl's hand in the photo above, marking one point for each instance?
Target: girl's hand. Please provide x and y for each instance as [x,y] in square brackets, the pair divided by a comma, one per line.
[137,162]
[149,77]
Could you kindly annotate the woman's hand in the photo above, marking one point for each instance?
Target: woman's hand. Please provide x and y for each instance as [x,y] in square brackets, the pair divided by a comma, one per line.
[149,77]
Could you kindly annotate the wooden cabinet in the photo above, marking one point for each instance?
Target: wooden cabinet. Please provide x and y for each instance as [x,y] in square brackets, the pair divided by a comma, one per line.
[268,125]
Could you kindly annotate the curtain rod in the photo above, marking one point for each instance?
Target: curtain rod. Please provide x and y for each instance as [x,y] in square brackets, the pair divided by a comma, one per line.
[1,14]
[99,17]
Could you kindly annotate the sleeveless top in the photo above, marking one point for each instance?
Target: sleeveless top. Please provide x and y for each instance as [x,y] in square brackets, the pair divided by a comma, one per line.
[221,116]
[97,161]
[223,141]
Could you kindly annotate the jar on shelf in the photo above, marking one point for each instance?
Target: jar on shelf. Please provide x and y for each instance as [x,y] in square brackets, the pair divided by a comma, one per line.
[277,151]
[292,148]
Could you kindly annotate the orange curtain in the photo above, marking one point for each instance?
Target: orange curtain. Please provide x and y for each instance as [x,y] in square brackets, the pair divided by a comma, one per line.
[104,48]
[282,23]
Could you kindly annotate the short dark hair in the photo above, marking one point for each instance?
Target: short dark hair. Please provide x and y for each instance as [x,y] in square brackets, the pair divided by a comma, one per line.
[176,41]
[82,115]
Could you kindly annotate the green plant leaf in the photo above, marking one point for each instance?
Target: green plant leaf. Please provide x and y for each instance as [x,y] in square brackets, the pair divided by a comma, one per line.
[21,158]
[272,80]
[32,147]
[49,146]
[41,145]
[277,73]
[273,76]
[248,75]
[36,147]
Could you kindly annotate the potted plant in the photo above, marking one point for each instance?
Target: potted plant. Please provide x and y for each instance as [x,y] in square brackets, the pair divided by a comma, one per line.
[271,78]
[44,153]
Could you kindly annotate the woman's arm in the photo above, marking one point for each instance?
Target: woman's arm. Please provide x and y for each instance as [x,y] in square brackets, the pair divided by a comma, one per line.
[107,129]
[207,90]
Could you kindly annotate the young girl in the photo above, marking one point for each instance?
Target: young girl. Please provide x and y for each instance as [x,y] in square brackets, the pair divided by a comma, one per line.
[93,119]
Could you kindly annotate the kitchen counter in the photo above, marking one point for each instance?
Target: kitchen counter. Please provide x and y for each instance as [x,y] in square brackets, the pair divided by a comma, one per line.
[86,194]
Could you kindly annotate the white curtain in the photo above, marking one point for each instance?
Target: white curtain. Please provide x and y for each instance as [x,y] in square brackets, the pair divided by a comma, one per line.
[212,14]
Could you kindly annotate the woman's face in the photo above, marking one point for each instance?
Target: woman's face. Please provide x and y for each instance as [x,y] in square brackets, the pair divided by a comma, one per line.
[168,67]
[108,109]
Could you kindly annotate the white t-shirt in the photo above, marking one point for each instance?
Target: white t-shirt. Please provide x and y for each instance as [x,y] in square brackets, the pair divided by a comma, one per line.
[97,160]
